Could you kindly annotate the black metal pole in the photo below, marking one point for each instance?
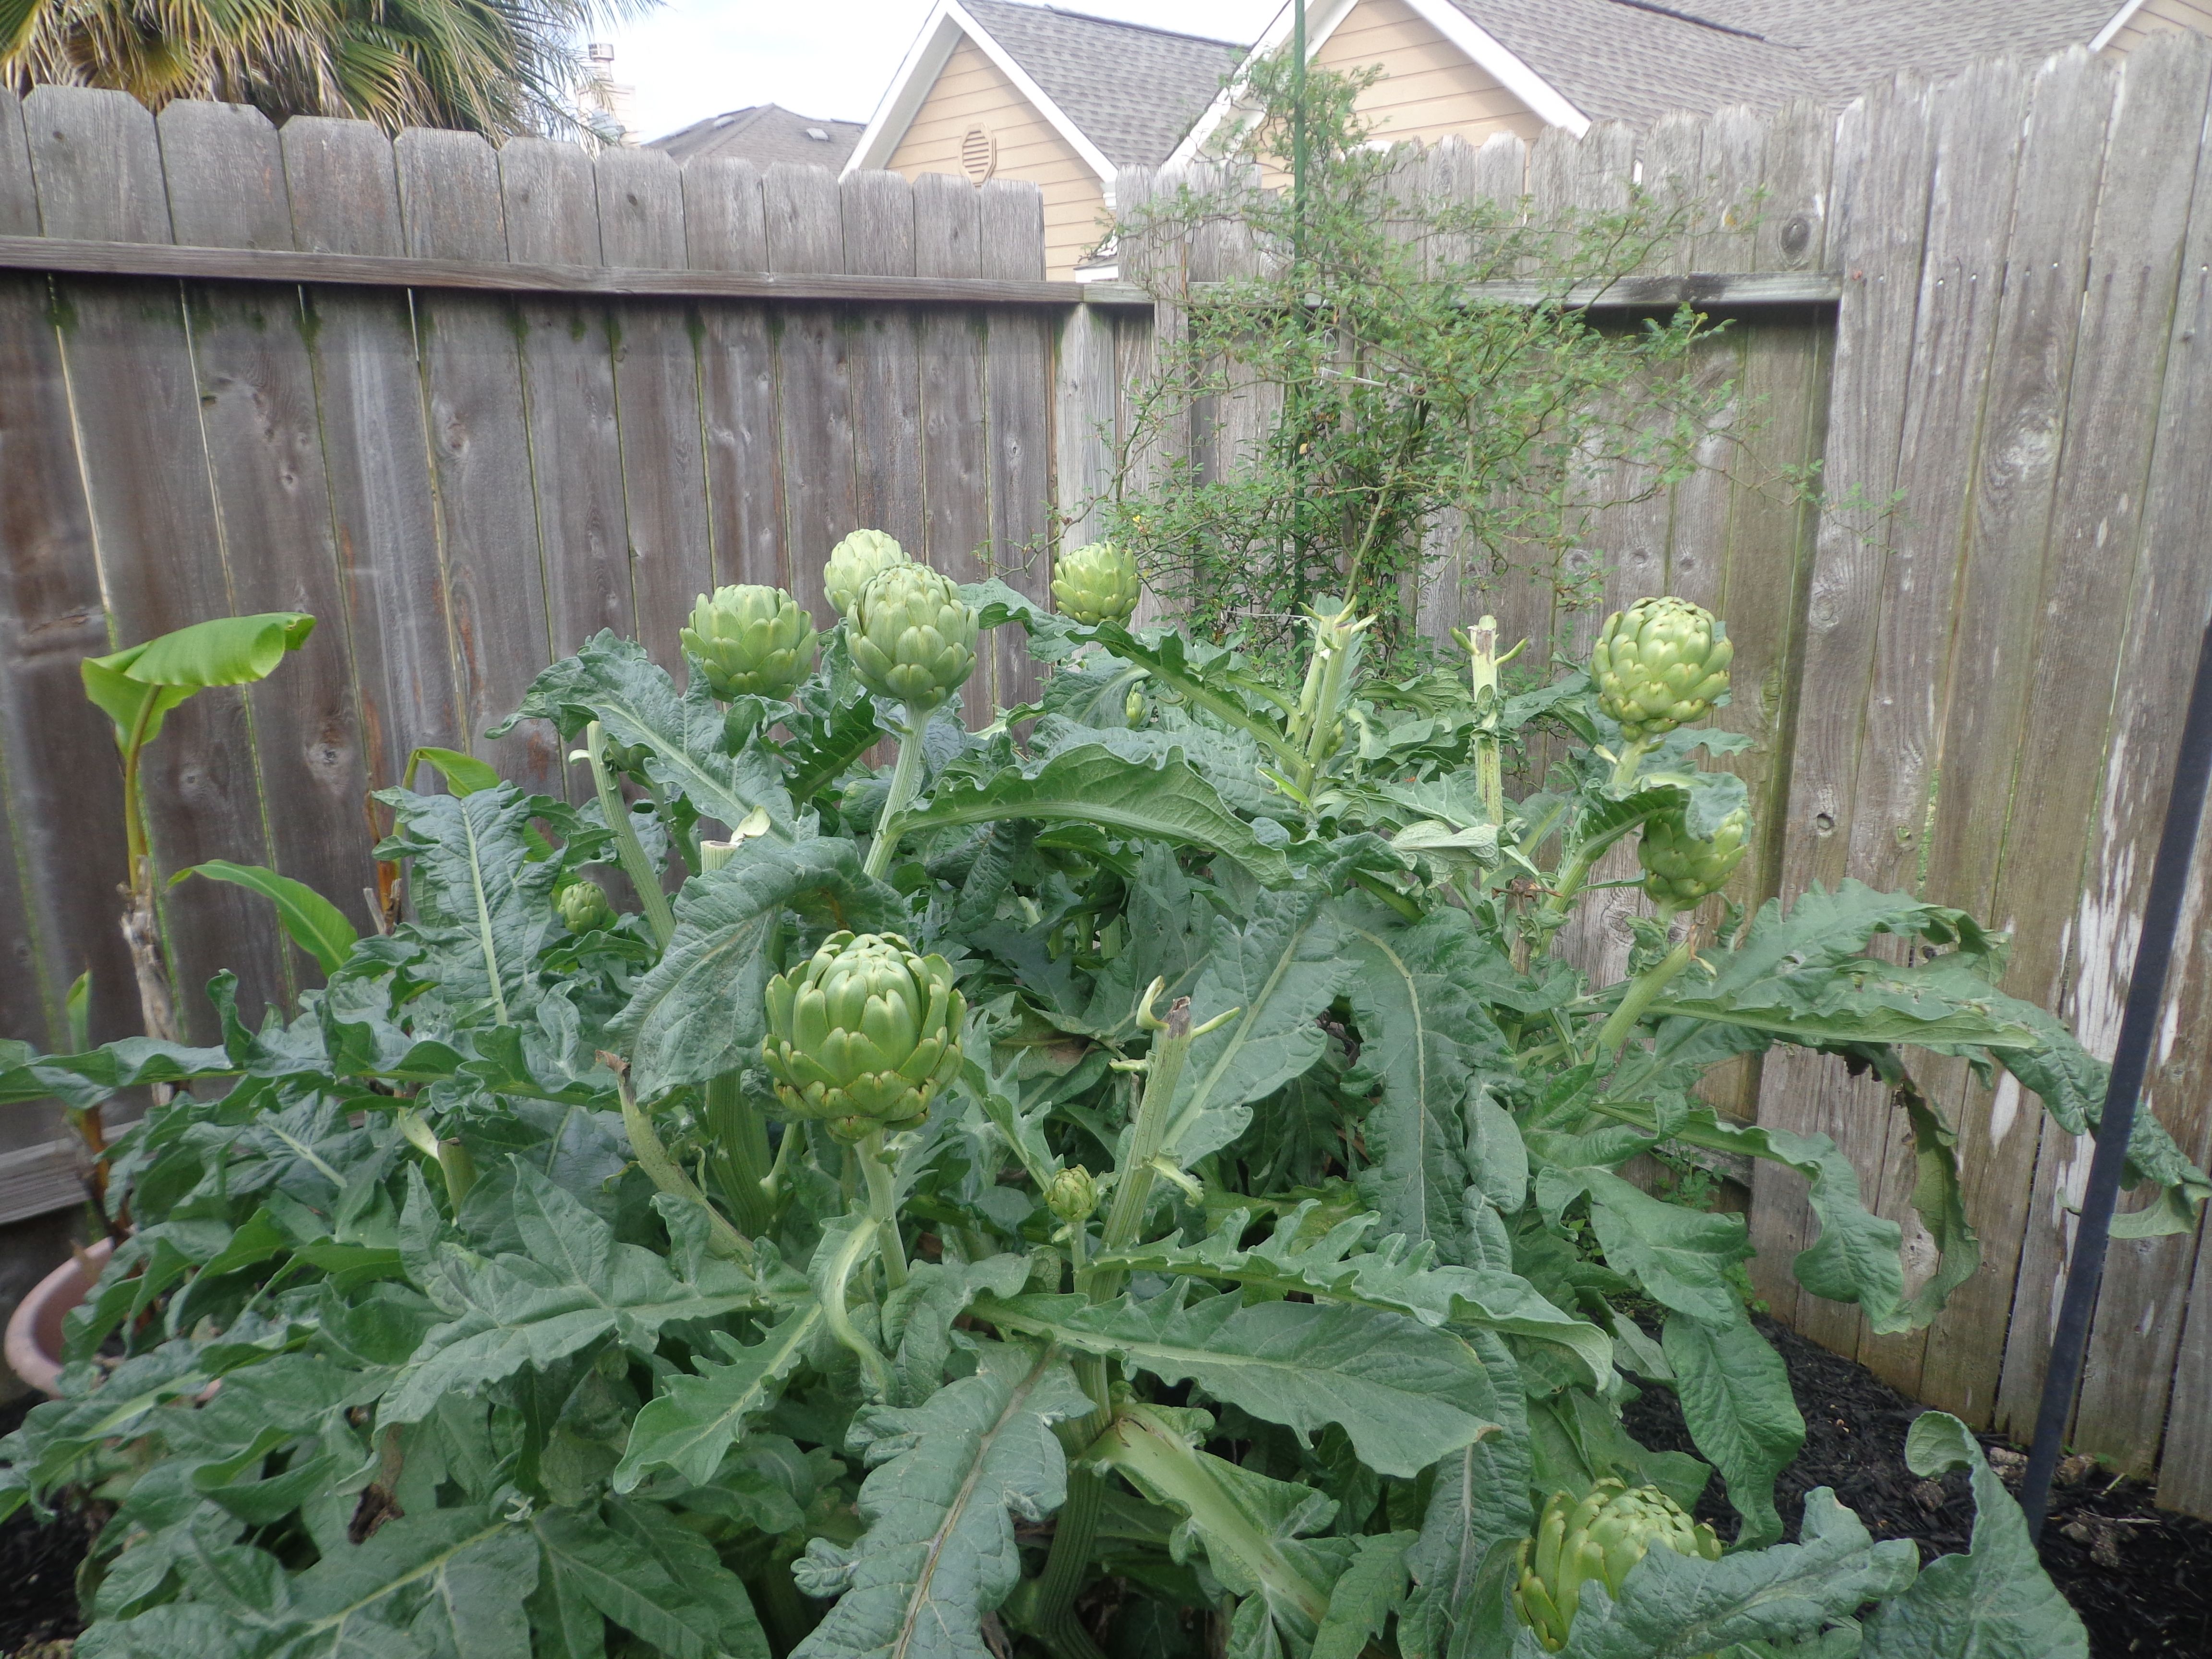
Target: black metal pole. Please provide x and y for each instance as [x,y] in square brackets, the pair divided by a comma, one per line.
[2169,885]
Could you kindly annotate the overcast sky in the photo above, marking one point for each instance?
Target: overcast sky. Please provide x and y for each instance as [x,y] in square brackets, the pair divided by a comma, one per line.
[692,58]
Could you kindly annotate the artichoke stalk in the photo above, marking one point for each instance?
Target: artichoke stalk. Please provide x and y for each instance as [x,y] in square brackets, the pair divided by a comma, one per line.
[1680,868]
[856,561]
[863,1035]
[1660,663]
[751,641]
[1597,1538]
[1096,584]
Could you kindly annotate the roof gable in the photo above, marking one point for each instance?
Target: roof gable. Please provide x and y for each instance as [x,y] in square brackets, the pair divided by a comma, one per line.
[764,134]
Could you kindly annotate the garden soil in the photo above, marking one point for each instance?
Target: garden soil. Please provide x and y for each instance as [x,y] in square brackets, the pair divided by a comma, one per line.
[2141,1578]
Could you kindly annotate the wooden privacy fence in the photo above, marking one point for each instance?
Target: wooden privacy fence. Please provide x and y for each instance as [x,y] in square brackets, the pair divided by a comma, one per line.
[1981,307]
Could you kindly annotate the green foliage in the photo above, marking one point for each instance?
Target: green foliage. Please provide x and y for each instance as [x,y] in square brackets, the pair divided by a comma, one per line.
[1405,419]
[534,1339]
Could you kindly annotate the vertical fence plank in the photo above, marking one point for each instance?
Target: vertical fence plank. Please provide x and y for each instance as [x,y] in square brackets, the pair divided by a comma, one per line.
[471,370]
[805,224]
[129,360]
[656,367]
[726,230]
[878,220]
[1997,606]
[258,417]
[1018,366]
[345,191]
[2083,746]
[955,455]
[1083,424]
[804,221]
[61,797]
[1877,224]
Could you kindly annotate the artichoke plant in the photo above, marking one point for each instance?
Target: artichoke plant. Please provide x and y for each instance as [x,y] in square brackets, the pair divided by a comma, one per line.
[1660,663]
[856,561]
[912,636]
[1680,868]
[1096,584]
[1598,1537]
[751,641]
[864,1034]
[583,905]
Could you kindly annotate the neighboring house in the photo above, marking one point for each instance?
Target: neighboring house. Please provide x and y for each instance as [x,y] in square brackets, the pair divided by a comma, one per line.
[765,134]
[1479,67]
[995,89]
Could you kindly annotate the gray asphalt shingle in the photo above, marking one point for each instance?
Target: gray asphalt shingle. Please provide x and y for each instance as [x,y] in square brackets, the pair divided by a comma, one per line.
[764,134]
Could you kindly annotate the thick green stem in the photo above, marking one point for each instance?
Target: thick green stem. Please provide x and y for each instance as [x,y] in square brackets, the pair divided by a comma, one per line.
[858,1243]
[1643,991]
[1625,768]
[1132,1183]
[639,868]
[1489,770]
[662,1169]
[740,1136]
[882,1204]
[905,778]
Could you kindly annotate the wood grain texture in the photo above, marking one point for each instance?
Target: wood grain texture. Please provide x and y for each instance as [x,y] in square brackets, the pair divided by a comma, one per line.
[225,175]
[955,471]
[1018,367]
[803,218]
[878,210]
[724,224]
[342,188]
[19,191]
[98,166]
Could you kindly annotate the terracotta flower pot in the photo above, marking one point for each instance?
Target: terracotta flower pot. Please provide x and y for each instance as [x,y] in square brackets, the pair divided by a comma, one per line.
[33,1347]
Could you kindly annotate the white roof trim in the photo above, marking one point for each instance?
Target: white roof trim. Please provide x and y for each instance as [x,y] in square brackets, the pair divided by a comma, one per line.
[917,77]
[2103,37]
[1324,17]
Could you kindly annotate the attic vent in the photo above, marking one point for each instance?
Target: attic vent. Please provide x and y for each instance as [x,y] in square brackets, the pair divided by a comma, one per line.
[724,120]
[817,135]
[979,154]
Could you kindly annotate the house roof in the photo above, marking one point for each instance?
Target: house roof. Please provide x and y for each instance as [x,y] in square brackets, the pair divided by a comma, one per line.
[1635,59]
[1132,90]
[765,134]
[1122,94]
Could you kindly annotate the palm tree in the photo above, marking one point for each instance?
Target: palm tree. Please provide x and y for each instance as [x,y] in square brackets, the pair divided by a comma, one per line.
[490,66]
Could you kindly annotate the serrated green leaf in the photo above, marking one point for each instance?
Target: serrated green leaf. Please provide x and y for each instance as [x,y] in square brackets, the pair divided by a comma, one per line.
[1994,1601]
[698,1011]
[621,1578]
[1736,1402]
[1088,784]
[459,1576]
[1680,1257]
[1361,1601]
[1406,1394]
[949,1479]
[1478,1503]
[694,1421]
[478,895]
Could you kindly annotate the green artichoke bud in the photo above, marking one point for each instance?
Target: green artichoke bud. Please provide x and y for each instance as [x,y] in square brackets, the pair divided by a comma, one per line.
[863,1035]
[1072,1195]
[1599,1537]
[1133,707]
[1680,868]
[1660,663]
[583,905]
[912,636]
[1096,584]
[854,562]
[751,641]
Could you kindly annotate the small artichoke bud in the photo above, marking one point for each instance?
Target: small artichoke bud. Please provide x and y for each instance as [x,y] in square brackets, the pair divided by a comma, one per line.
[1599,1537]
[583,905]
[1133,707]
[856,561]
[1660,663]
[863,1034]
[912,636]
[1680,868]
[751,641]
[1096,584]
[1072,1195]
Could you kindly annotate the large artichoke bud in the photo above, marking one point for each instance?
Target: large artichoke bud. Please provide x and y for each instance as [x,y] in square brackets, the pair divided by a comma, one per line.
[1096,584]
[912,636]
[854,562]
[1680,868]
[583,905]
[1660,663]
[1071,1194]
[863,1034]
[1599,1537]
[751,641]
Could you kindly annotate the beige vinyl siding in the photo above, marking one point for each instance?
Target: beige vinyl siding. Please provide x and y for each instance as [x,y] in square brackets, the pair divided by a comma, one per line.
[2155,17]
[971,91]
[1430,86]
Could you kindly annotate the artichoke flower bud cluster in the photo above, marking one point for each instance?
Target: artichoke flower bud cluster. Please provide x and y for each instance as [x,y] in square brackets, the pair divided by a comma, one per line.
[1680,868]
[1096,584]
[912,636]
[854,562]
[1072,1195]
[863,1035]
[1660,663]
[1597,1538]
[583,906]
[751,641]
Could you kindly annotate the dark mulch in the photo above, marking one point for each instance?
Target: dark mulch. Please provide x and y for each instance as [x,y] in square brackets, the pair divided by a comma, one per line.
[2140,1577]
[38,1564]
